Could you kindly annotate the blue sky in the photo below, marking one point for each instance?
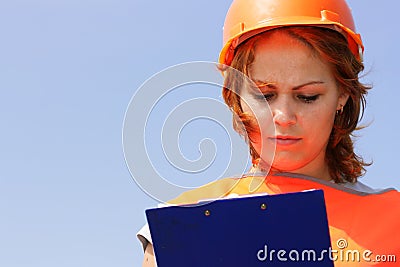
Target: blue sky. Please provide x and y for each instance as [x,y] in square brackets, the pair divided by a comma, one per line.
[68,71]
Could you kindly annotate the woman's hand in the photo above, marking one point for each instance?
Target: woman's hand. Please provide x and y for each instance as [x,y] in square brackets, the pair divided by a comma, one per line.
[149,260]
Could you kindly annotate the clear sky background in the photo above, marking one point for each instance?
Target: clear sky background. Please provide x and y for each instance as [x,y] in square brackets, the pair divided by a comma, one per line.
[68,70]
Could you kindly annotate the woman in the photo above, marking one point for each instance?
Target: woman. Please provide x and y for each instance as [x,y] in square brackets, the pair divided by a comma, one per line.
[305,62]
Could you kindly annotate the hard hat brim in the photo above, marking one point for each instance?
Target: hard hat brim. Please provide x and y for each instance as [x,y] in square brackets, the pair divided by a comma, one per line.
[240,34]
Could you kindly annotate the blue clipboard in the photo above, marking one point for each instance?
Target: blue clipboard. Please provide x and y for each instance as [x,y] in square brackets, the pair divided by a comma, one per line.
[269,230]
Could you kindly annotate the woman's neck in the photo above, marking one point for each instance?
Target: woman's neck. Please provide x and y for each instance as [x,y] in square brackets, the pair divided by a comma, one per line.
[321,171]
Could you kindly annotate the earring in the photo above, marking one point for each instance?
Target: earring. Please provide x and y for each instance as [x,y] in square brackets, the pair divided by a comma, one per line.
[340,111]
[255,163]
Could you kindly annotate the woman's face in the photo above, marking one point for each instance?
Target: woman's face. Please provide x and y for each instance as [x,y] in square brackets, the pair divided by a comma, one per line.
[303,97]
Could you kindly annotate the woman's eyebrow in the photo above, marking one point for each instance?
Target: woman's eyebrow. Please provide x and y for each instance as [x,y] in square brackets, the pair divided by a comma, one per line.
[260,83]
[272,85]
[307,83]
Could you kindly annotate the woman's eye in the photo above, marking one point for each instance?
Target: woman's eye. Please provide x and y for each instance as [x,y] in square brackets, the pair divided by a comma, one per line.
[267,96]
[308,99]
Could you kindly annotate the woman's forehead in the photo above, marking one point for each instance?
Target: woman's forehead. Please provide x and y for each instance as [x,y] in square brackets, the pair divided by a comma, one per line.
[278,58]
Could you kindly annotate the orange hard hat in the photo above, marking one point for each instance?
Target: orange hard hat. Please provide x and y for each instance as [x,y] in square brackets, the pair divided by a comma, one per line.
[246,18]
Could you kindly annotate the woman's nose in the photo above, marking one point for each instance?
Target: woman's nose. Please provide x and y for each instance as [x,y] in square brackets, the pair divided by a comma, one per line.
[283,112]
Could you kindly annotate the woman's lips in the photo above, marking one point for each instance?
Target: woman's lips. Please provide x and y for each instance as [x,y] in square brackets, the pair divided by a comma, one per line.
[285,140]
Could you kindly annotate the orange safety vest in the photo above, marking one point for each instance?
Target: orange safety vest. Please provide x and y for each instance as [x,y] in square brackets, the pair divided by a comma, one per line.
[364,227]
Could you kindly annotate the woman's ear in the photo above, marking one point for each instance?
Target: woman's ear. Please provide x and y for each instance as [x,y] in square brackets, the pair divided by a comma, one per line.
[342,100]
